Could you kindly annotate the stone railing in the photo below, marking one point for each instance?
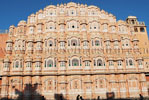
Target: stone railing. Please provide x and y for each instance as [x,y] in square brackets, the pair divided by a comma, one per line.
[140,23]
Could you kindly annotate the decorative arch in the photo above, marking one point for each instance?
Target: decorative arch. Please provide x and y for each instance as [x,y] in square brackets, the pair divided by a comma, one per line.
[93,10]
[100,83]
[19,44]
[76,83]
[50,25]
[98,42]
[75,62]
[49,84]
[126,42]
[98,61]
[129,62]
[94,25]
[50,63]
[50,43]
[17,63]
[73,24]
[74,42]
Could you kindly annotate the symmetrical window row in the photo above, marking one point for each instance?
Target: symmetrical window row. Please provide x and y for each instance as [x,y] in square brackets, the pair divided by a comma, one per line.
[74,25]
[50,43]
[100,83]
[52,62]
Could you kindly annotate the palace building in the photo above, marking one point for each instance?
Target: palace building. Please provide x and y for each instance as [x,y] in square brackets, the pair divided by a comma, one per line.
[72,49]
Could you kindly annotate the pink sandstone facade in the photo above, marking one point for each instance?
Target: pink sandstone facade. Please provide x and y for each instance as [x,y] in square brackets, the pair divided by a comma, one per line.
[73,49]
[3,38]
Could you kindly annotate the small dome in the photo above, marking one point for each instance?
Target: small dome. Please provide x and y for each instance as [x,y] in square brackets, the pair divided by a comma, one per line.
[39,40]
[110,59]
[86,59]
[121,22]
[62,39]
[92,6]
[9,41]
[62,59]
[71,4]
[83,21]
[51,6]
[22,22]
[6,60]
[119,58]
[135,39]
[12,26]
[132,17]
[62,21]
[28,59]
[38,58]
[139,58]
[32,15]
[107,39]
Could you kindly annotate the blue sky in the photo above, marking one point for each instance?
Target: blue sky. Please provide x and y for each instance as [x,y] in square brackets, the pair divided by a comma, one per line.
[12,11]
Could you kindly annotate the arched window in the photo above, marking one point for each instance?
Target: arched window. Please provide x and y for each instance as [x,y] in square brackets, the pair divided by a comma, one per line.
[49,63]
[140,62]
[73,26]
[75,62]
[38,64]
[17,64]
[9,46]
[74,42]
[136,29]
[130,62]
[97,42]
[39,46]
[6,64]
[39,27]
[105,27]
[72,12]
[119,63]
[85,43]
[99,62]
[142,29]
[133,22]
[87,63]
[50,43]
[28,64]
[31,30]
[83,27]
[127,43]
[49,85]
[113,28]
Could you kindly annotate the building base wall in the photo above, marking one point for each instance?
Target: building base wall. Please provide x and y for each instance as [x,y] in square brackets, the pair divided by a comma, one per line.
[69,87]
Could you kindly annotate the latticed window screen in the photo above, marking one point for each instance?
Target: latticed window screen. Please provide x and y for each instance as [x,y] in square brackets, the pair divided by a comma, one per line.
[49,63]
[75,62]
[62,64]
[97,43]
